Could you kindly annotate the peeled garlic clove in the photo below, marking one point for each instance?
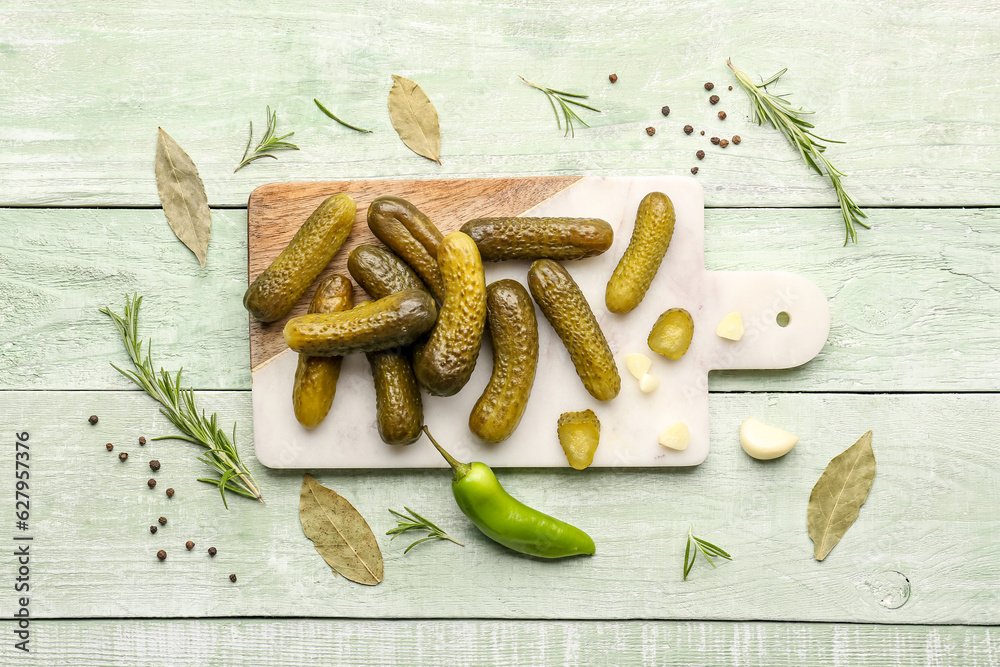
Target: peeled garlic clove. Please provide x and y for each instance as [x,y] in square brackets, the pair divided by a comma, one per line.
[731,326]
[765,442]
[676,436]
[638,364]
[648,383]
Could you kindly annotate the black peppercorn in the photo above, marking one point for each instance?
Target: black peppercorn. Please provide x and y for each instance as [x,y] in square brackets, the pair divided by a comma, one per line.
[232,578]
[212,551]
[703,133]
[154,465]
[688,129]
[650,130]
[161,554]
[714,99]
[700,155]
[694,170]
[730,87]
[109,446]
[123,456]
[722,115]
[665,111]
[142,440]
[613,78]
[715,140]
[152,529]
[151,483]
[93,419]
[709,86]
[736,139]
[189,544]
[162,520]
[724,143]
[170,493]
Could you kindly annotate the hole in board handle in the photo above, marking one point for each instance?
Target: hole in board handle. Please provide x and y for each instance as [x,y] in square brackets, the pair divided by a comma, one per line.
[783,319]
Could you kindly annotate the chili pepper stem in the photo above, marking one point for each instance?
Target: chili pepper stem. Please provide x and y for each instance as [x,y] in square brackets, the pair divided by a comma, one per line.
[460,469]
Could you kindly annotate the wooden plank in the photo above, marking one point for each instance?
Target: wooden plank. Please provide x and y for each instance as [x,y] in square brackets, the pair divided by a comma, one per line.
[913,310]
[293,643]
[84,90]
[275,212]
[930,523]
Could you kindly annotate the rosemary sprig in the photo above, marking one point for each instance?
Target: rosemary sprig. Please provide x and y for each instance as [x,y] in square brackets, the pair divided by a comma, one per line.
[564,99]
[417,522]
[707,549]
[330,114]
[268,142]
[179,407]
[776,110]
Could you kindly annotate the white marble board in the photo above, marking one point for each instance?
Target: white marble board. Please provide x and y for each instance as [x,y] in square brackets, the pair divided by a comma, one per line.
[631,423]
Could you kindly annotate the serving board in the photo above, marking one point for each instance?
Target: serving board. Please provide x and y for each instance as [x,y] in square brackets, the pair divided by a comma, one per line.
[630,424]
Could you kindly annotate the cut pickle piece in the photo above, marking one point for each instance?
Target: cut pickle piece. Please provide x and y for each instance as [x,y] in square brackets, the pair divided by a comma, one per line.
[579,435]
[672,333]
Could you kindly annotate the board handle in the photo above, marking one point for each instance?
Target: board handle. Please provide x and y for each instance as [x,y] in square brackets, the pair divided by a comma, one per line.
[786,319]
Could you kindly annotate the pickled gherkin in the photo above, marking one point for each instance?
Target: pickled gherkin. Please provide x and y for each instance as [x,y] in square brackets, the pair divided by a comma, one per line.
[398,319]
[514,330]
[398,408]
[501,239]
[316,377]
[579,436]
[654,225]
[411,235]
[445,362]
[279,287]
[567,310]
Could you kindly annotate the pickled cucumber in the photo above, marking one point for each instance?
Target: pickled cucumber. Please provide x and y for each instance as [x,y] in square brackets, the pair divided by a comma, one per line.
[512,324]
[316,377]
[399,412]
[444,363]
[654,225]
[380,273]
[671,334]
[567,310]
[277,289]
[398,319]
[411,235]
[501,239]
[579,435]
[398,409]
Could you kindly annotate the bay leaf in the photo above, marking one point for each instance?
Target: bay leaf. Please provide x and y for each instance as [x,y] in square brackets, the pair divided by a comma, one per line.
[415,118]
[182,195]
[339,533]
[839,494]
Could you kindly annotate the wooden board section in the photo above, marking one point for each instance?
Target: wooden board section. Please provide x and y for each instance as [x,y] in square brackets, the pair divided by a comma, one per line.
[932,515]
[275,212]
[298,642]
[905,84]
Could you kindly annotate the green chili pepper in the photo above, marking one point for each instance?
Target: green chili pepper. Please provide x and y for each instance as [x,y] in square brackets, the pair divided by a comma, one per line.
[506,520]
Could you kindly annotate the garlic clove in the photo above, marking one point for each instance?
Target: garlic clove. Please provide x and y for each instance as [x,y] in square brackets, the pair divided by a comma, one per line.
[765,442]
[648,383]
[731,326]
[638,364]
[676,436]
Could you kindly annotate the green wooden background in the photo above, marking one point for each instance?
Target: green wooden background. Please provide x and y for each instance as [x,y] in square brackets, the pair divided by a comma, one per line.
[910,86]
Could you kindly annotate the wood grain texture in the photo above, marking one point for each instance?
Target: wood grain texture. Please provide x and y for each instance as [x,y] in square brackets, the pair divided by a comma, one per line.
[917,309]
[931,519]
[906,84]
[276,211]
[293,643]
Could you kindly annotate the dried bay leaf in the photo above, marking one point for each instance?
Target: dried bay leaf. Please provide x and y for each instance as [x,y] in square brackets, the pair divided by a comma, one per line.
[415,118]
[839,494]
[339,533]
[182,195]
